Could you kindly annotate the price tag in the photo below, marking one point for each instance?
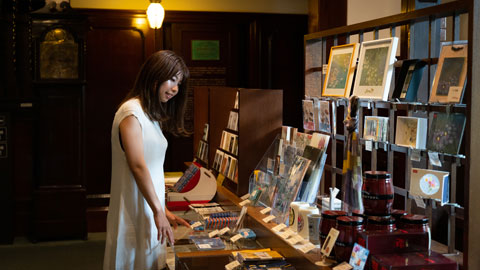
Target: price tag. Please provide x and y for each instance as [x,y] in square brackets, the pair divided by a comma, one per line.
[246,196]
[329,242]
[306,248]
[236,237]
[213,233]
[376,145]
[416,155]
[434,159]
[324,69]
[265,210]
[223,231]
[243,203]
[268,219]
[263,255]
[369,105]
[368,145]
[196,224]
[454,93]
[279,227]
[287,233]
[204,246]
[254,193]
[343,266]
[232,265]
[420,202]
[295,239]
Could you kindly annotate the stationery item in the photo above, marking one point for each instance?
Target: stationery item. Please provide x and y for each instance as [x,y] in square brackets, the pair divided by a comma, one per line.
[259,256]
[314,228]
[294,214]
[233,265]
[302,227]
[308,119]
[324,116]
[359,257]
[430,184]
[446,132]
[207,243]
[411,132]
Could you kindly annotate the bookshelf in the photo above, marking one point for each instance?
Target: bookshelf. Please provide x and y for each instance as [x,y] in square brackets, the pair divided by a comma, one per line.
[420,27]
[259,121]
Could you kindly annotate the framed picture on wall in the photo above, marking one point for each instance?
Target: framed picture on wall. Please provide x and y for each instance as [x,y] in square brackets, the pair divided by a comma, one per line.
[451,73]
[375,68]
[340,71]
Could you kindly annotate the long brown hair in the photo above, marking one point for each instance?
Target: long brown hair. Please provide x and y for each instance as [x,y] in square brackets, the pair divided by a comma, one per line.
[160,67]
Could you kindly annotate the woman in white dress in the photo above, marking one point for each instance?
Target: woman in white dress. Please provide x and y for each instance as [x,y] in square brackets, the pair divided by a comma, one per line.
[138,224]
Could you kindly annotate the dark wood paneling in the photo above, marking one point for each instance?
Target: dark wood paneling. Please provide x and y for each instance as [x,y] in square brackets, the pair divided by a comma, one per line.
[6,183]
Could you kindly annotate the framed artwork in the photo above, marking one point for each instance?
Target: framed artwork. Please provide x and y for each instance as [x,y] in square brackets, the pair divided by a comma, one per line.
[408,80]
[340,71]
[430,184]
[451,74]
[446,132]
[375,128]
[411,132]
[375,68]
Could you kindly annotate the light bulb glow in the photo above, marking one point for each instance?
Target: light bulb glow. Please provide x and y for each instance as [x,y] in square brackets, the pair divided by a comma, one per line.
[155,15]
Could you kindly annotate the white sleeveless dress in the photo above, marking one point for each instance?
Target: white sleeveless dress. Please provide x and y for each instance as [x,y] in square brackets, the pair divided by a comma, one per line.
[131,241]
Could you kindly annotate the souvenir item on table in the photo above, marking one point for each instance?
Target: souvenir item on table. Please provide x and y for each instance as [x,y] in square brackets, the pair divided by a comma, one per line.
[349,228]
[329,220]
[413,222]
[399,241]
[244,256]
[308,121]
[359,257]
[295,214]
[377,193]
[430,184]
[375,128]
[287,188]
[341,68]
[450,76]
[375,68]
[381,223]
[352,165]
[408,80]
[303,219]
[413,261]
[397,214]
[314,228]
[446,132]
[207,243]
[411,132]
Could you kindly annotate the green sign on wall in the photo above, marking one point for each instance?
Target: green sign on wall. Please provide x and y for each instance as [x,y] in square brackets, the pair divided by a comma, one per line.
[205,50]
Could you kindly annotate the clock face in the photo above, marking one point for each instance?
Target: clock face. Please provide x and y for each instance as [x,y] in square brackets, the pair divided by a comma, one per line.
[58,55]
[429,184]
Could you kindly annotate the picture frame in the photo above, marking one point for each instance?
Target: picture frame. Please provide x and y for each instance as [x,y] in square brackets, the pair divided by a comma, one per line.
[408,80]
[451,74]
[375,69]
[341,68]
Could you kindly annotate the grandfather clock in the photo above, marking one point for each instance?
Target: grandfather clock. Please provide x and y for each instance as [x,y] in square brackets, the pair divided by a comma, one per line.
[59,195]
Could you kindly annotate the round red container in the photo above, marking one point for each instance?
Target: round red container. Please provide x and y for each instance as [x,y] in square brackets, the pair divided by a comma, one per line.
[328,221]
[349,228]
[413,223]
[377,193]
[397,214]
[381,223]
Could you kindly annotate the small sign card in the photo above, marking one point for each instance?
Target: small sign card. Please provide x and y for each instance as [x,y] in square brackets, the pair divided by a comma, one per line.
[232,265]
[213,233]
[295,239]
[279,227]
[419,202]
[265,210]
[287,233]
[196,224]
[204,246]
[268,219]
[454,94]
[223,231]
[343,266]
[416,155]
[263,255]
[236,237]
[329,242]
[307,247]
[434,159]
[246,196]
[368,145]
[359,257]
[243,203]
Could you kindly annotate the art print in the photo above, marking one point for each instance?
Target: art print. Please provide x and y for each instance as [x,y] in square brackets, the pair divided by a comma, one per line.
[341,67]
[375,69]
[370,131]
[324,116]
[446,132]
[308,111]
[450,76]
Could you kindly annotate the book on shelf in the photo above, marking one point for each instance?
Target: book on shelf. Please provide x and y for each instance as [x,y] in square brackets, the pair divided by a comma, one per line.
[205,132]
[229,142]
[233,121]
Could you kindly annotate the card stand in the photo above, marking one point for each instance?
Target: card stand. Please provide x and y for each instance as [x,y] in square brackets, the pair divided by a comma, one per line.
[203,192]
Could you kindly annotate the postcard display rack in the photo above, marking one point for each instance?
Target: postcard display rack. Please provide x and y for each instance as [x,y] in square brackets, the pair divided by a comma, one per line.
[258,119]
[387,155]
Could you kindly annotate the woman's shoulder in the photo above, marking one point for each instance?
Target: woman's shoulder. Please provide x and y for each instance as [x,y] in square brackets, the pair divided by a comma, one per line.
[131,105]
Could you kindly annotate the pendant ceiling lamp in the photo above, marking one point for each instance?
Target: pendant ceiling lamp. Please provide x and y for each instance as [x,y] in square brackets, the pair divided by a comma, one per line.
[155,14]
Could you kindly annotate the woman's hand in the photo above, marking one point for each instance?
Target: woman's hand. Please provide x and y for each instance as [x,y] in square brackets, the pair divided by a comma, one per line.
[176,220]
[163,227]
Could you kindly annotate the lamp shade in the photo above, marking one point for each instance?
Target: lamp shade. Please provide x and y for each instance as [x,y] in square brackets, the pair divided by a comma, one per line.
[155,15]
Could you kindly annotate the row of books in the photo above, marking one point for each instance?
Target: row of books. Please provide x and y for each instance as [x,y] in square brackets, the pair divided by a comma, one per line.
[444,135]
[202,152]
[226,165]
[229,142]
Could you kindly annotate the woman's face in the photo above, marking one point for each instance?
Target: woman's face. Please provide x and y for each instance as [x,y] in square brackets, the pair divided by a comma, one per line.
[169,88]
